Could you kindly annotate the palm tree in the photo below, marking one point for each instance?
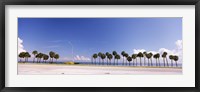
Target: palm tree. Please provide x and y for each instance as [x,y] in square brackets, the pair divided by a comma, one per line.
[21,55]
[123,53]
[56,57]
[171,57]
[40,55]
[51,54]
[95,56]
[140,55]
[155,57]
[27,55]
[34,53]
[45,57]
[107,53]
[114,53]
[144,54]
[165,53]
[150,55]
[103,56]
[110,57]
[117,57]
[126,55]
[129,59]
[99,55]
[158,57]
[37,56]
[163,56]
[134,56]
[176,59]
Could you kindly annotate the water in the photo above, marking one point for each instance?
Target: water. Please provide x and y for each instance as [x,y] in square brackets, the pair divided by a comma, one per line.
[117,64]
[131,64]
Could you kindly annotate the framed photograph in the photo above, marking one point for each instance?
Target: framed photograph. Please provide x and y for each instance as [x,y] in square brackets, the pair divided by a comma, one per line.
[146,45]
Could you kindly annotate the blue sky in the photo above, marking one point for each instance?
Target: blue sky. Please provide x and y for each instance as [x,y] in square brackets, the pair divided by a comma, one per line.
[93,35]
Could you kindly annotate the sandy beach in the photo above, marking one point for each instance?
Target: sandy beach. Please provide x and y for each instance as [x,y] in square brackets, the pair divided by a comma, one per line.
[61,69]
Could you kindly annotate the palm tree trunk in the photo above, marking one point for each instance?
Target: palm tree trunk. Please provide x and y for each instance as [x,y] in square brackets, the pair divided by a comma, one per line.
[144,61]
[133,62]
[148,62]
[151,62]
[34,60]
[129,64]
[99,61]
[156,62]
[176,64]
[114,61]
[24,59]
[123,61]
[126,61]
[102,61]
[140,62]
[136,62]
[164,61]
[107,61]
[171,63]
[167,62]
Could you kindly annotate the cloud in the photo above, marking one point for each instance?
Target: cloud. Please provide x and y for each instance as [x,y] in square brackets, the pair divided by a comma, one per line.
[81,58]
[76,58]
[179,44]
[20,46]
[138,50]
[178,50]
[65,59]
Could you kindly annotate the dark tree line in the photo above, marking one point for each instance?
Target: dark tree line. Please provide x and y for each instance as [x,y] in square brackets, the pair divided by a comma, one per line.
[127,59]
[39,57]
